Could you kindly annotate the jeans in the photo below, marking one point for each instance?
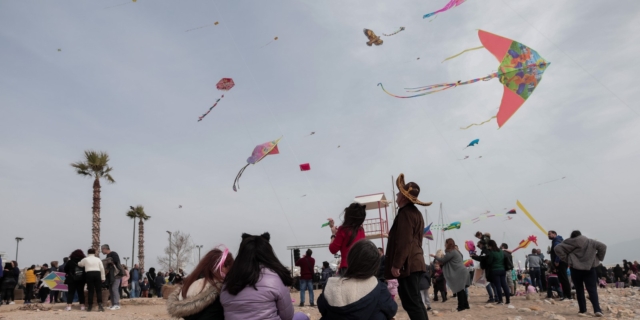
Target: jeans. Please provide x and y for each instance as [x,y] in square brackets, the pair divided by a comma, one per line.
[553,284]
[135,287]
[499,280]
[306,284]
[588,279]
[491,288]
[425,297]
[535,277]
[564,279]
[114,291]
[409,292]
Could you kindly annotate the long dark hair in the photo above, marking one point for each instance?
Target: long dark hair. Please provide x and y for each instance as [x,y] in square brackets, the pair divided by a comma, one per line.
[449,245]
[255,253]
[206,269]
[77,255]
[354,216]
[493,245]
[363,260]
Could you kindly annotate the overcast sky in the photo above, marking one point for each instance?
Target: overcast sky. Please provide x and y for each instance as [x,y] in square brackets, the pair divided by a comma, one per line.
[130,81]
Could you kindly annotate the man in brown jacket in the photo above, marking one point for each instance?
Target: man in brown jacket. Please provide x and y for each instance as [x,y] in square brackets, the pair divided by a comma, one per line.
[405,258]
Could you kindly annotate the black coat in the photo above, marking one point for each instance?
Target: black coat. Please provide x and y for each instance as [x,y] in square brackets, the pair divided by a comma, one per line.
[377,305]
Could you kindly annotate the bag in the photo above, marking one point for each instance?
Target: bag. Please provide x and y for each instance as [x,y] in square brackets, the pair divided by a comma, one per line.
[78,274]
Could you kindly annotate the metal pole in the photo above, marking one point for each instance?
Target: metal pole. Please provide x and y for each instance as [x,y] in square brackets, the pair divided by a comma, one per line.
[18,239]
[199,247]
[381,229]
[426,223]
[393,187]
[133,243]
[169,232]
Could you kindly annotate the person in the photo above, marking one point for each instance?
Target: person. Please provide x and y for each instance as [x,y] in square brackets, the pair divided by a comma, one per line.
[543,270]
[95,276]
[633,279]
[135,278]
[358,294]
[483,237]
[30,278]
[508,266]
[425,285]
[603,283]
[75,278]
[552,282]
[63,294]
[533,263]
[405,257]
[306,264]
[514,282]
[381,269]
[124,284]
[257,285]
[7,283]
[561,266]
[455,272]
[151,277]
[618,273]
[115,268]
[327,273]
[583,255]
[439,283]
[172,276]
[496,264]
[392,286]
[54,294]
[144,288]
[160,282]
[482,258]
[343,237]
[43,290]
[199,296]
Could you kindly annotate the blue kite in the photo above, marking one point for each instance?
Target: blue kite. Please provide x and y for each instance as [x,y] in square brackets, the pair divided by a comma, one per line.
[472,143]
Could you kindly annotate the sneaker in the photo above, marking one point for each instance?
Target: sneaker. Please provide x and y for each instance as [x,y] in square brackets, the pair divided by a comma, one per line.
[490,301]
[116,307]
[100,308]
[429,309]
[599,314]
[68,308]
[81,308]
[12,302]
[562,299]
[302,304]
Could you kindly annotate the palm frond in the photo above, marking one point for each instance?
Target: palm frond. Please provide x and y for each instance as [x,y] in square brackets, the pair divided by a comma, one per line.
[96,165]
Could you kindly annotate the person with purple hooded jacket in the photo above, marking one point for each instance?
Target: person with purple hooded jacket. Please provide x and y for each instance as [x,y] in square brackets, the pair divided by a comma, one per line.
[256,286]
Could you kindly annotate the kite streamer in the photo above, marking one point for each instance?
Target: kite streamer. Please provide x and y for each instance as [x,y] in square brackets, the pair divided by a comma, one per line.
[478,124]
[213,106]
[440,87]
[391,34]
[259,152]
[459,54]
[530,217]
[451,4]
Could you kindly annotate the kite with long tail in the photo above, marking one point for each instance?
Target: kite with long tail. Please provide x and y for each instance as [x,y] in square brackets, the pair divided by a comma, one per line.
[225,84]
[451,4]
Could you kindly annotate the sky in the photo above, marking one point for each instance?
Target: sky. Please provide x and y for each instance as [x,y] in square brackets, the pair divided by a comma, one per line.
[128,79]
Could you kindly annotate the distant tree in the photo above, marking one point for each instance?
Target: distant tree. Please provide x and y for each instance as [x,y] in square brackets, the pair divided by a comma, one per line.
[138,212]
[178,253]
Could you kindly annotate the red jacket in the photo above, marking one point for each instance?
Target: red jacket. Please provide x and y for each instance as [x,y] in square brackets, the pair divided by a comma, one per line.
[341,243]
[306,265]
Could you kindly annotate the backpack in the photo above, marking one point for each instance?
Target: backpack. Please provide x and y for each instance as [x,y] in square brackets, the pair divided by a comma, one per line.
[78,274]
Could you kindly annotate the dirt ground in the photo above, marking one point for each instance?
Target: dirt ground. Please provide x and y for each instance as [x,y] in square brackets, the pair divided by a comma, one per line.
[616,303]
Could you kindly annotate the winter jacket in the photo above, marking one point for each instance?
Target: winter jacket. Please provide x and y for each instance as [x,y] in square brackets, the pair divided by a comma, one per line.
[404,247]
[30,276]
[341,243]
[392,285]
[271,300]
[352,299]
[425,281]
[306,265]
[144,286]
[326,274]
[556,241]
[495,261]
[454,270]
[92,263]
[508,256]
[135,275]
[202,302]
[70,270]
[581,252]
[125,279]
[159,283]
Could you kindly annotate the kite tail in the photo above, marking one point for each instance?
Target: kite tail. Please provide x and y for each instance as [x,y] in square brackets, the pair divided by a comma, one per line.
[463,51]
[440,87]
[236,182]
[391,34]
[478,124]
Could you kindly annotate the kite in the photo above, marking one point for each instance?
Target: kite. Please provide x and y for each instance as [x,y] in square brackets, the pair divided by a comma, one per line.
[179,206]
[520,71]
[206,25]
[472,143]
[468,263]
[551,181]
[427,232]
[391,34]
[55,281]
[453,225]
[326,224]
[465,158]
[512,211]
[373,38]
[530,217]
[312,133]
[268,43]
[59,50]
[480,157]
[451,4]
[259,152]
[225,84]
[305,167]
[525,243]
[508,218]
[470,246]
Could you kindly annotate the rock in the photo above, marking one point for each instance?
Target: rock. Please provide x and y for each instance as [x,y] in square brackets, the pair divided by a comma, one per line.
[511,307]
[547,302]
[435,312]
[524,310]
[558,317]
[534,308]
[488,305]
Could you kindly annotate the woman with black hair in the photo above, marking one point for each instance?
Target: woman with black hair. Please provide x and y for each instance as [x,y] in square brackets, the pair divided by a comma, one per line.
[256,286]
[75,278]
[343,237]
[358,294]
[496,262]
[151,276]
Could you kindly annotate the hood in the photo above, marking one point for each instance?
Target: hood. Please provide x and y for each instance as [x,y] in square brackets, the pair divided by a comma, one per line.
[352,299]
[196,300]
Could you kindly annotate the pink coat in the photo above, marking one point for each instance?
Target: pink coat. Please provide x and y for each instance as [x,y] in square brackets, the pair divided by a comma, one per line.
[125,279]
[392,285]
[272,300]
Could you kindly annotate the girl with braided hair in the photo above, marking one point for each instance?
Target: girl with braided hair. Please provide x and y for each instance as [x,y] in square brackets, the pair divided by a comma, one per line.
[344,236]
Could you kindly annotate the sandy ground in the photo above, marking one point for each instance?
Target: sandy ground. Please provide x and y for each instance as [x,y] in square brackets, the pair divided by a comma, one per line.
[616,303]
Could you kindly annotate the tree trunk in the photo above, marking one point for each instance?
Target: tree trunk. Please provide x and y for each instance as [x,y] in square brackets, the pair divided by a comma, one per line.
[95,230]
[141,244]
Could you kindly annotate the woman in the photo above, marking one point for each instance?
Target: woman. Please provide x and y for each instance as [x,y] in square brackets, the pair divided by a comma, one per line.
[358,294]
[160,282]
[348,233]
[327,273]
[94,275]
[496,262]
[54,294]
[30,276]
[199,296]
[151,276]
[455,273]
[124,282]
[75,279]
[7,283]
[583,255]
[257,285]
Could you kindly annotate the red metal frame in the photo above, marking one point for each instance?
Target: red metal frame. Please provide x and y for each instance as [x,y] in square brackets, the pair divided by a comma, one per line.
[378,225]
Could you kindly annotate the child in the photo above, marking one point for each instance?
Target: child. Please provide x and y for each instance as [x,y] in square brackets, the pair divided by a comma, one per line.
[424,286]
[144,287]
[603,282]
[633,279]
[392,285]
[553,282]
[327,273]
[528,288]
[439,284]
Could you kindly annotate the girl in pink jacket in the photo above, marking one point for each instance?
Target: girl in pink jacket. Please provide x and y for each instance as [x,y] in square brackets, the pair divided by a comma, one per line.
[392,285]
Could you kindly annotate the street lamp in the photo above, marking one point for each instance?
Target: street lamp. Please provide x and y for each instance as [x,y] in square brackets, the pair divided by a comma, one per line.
[169,232]
[18,239]
[133,241]
[126,260]
[199,247]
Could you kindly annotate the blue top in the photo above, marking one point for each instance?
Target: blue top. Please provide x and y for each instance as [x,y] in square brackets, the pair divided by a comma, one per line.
[135,275]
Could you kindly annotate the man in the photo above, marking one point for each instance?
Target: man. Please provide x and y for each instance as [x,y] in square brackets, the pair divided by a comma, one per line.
[172,276]
[382,260]
[508,257]
[405,257]
[482,258]
[561,265]
[116,269]
[533,264]
[135,281]
[306,264]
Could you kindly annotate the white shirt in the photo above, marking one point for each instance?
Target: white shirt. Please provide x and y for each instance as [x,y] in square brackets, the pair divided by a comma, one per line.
[92,263]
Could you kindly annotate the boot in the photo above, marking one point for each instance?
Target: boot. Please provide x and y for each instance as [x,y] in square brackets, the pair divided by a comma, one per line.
[100,308]
[444,297]
[89,308]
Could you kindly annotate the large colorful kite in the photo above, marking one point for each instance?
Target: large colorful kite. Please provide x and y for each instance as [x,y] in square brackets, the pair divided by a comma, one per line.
[427,232]
[259,152]
[530,216]
[55,281]
[451,4]
[520,71]
[225,84]
[525,243]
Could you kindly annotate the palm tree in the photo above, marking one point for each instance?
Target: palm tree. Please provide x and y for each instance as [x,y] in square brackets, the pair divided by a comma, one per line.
[96,166]
[138,212]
